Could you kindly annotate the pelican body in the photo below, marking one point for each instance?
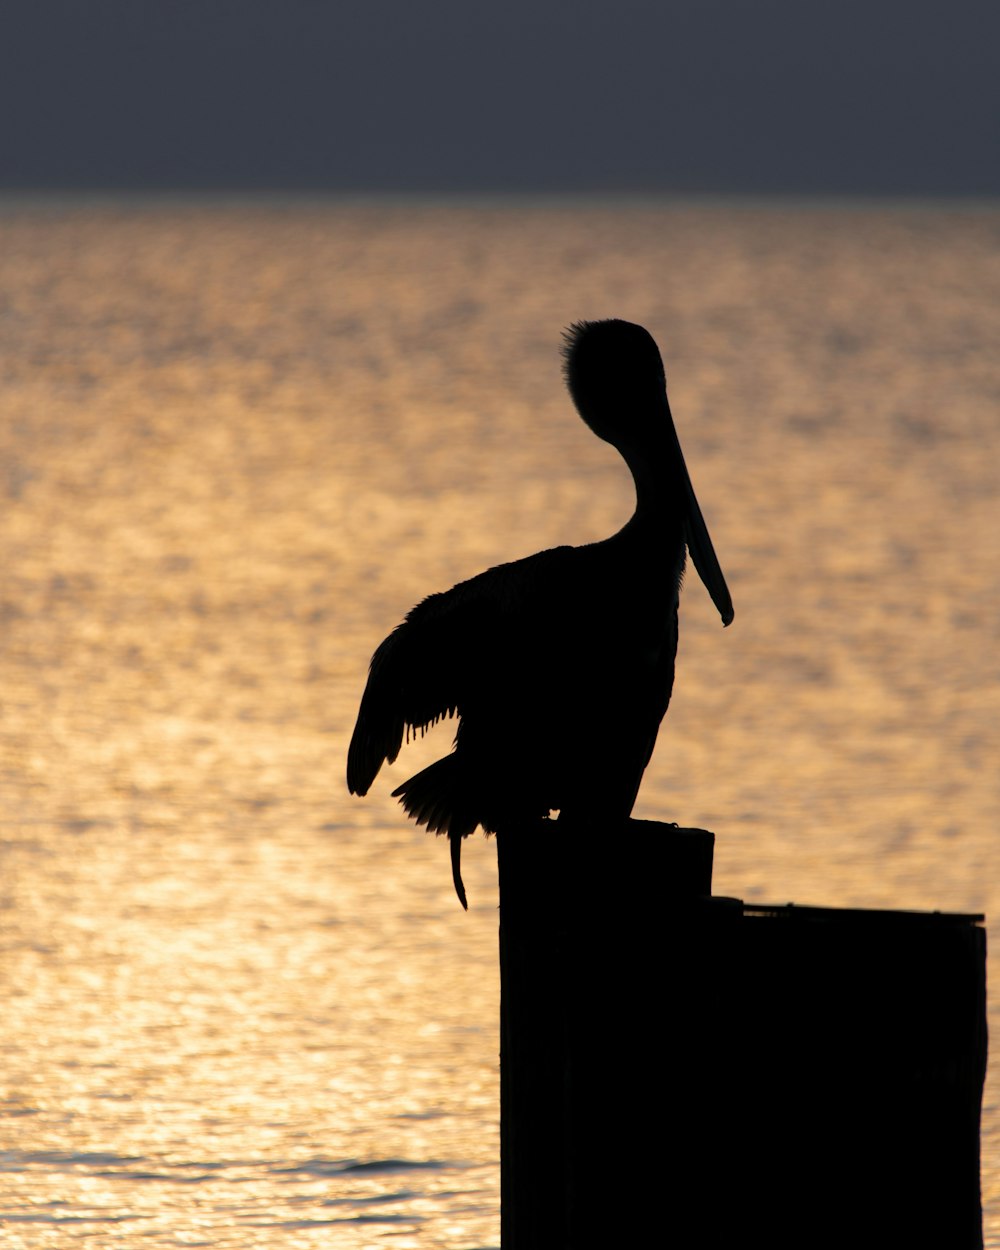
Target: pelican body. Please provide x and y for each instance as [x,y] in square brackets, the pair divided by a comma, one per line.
[559,666]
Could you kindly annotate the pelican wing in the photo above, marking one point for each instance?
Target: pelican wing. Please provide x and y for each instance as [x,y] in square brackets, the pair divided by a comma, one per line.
[432,665]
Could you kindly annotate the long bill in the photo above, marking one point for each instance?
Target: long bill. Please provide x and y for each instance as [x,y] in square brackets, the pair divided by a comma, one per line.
[699,544]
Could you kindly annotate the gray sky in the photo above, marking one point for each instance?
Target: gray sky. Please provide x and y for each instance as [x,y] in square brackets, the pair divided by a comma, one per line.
[758,96]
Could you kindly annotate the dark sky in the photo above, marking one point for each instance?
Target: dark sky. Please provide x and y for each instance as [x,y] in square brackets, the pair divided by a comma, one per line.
[759,96]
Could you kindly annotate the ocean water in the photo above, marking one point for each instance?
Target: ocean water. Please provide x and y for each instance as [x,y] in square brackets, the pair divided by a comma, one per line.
[238,440]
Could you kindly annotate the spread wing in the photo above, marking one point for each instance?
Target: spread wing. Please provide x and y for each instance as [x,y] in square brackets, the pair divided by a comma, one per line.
[439,659]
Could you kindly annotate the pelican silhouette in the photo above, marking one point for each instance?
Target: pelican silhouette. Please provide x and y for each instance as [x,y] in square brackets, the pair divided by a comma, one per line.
[559,666]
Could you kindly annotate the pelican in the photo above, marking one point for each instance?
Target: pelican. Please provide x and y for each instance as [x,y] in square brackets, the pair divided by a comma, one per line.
[559,666]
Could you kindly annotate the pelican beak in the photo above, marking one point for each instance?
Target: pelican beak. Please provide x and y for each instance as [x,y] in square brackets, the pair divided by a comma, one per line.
[700,545]
[703,554]
[696,532]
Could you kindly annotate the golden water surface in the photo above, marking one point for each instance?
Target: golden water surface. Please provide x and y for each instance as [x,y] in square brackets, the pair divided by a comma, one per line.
[237,442]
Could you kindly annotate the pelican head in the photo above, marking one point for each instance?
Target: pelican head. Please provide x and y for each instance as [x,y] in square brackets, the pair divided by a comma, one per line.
[615,376]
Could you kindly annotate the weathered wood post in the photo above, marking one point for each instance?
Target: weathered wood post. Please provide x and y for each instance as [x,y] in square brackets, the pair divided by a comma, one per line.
[602,1022]
[863,1054]
[681,1070]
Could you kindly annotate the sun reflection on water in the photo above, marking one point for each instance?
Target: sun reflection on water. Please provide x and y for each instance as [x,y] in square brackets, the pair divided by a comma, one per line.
[236,445]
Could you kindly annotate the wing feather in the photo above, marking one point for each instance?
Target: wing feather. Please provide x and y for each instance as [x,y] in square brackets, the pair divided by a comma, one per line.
[431,666]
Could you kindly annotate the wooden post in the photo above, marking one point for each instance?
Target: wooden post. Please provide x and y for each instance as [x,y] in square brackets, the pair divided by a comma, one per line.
[596,944]
[863,1054]
[680,1070]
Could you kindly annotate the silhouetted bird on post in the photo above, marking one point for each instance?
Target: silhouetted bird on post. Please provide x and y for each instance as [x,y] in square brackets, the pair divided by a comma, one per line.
[559,666]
